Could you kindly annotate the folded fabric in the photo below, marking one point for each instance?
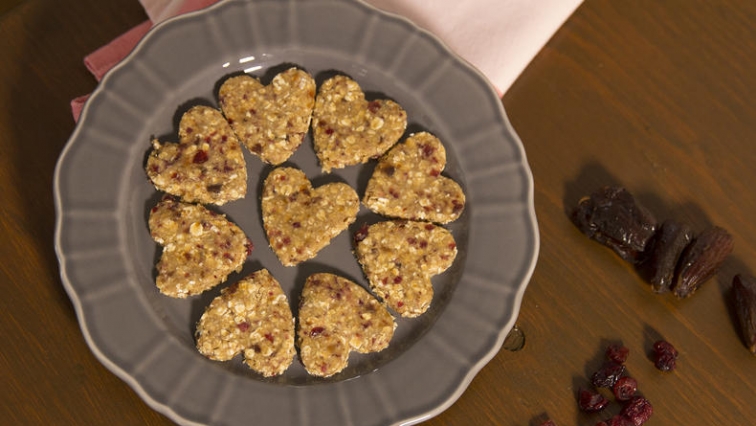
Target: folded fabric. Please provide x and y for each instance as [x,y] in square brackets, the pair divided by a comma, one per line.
[499,37]
[103,59]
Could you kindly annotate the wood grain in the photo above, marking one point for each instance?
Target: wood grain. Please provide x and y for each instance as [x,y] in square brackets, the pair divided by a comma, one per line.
[655,96]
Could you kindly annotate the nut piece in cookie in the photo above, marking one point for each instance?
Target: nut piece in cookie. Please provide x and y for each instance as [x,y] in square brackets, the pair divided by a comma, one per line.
[407,183]
[200,247]
[337,316]
[252,316]
[349,130]
[206,165]
[300,220]
[399,258]
[271,121]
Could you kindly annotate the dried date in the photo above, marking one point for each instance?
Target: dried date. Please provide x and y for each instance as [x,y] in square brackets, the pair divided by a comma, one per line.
[701,260]
[663,253]
[611,217]
[744,292]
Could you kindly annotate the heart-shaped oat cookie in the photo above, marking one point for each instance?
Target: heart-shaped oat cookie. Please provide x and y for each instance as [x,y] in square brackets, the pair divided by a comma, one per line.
[251,316]
[206,166]
[399,258]
[200,247]
[337,316]
[300,220]
[271,120]
[349,130]
[407,183]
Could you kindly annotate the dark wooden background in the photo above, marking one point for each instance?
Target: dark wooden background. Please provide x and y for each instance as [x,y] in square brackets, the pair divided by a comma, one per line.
[657,96]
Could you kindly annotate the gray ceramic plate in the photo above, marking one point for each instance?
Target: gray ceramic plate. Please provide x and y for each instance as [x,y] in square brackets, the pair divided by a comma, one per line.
[107,258]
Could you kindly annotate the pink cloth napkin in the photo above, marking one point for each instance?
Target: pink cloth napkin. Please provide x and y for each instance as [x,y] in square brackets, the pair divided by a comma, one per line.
[499,37]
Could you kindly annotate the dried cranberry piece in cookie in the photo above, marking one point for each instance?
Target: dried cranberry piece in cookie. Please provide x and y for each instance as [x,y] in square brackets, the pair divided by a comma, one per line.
[206,165]
[400,257]
[300,220]
[349,130]
[200,247]
[337,316]
[407,183]
[271,121]
[253,317]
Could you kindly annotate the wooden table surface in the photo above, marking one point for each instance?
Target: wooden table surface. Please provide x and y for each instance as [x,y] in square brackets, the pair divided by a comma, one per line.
[657,96]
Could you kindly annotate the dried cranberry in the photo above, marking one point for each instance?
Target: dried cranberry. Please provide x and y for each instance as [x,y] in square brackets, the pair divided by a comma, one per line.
[591,401]
[548,423]
[243,326]
[665,356]
[617,353]
[316,331]
[374,106]
[457,206]
[625,388]
[361,233]
[619,420]
[428,150]
[608,375]
[200,157]
[638,410]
